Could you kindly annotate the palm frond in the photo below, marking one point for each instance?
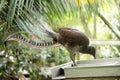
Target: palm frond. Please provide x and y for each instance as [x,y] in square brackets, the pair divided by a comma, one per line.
[11,12]
[35,16]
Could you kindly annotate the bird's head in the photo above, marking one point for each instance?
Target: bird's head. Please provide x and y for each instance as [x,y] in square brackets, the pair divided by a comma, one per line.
[91,50]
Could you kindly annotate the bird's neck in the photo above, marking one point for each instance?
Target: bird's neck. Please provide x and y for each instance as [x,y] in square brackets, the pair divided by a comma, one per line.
[84,49]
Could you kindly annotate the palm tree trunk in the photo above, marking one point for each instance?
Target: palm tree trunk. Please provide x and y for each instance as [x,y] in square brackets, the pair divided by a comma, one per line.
[85,26]
[94,23]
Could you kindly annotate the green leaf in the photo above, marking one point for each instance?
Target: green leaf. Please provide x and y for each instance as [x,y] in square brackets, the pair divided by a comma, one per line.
[11,11]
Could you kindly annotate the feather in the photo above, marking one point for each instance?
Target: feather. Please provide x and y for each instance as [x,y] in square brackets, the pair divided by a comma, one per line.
[31,43]
[72,39]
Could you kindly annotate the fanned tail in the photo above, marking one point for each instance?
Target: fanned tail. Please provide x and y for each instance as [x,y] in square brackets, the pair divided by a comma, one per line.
[53,36]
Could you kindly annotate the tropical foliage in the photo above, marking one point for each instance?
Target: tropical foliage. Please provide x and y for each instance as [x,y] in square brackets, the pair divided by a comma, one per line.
[98,19]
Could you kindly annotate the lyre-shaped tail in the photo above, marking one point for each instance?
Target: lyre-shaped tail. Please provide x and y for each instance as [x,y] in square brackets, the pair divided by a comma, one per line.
[31,43]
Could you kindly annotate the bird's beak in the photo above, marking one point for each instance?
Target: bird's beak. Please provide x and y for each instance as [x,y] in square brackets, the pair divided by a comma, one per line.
[94,56]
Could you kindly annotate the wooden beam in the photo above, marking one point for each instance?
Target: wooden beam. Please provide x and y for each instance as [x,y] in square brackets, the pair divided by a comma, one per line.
[104,42]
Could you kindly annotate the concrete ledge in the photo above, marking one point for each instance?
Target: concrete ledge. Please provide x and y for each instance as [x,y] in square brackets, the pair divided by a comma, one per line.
[89,68]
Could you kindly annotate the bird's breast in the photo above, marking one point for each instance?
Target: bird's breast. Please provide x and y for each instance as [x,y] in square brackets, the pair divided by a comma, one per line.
[72,48]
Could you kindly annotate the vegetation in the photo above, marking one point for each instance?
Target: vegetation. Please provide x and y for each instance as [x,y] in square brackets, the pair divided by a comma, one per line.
[98,19]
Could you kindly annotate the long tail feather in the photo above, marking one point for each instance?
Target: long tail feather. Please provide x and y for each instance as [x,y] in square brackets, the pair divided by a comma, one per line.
[31,43]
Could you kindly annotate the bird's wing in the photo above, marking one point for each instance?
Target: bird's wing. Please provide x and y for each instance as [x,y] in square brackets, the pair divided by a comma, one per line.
[73,36]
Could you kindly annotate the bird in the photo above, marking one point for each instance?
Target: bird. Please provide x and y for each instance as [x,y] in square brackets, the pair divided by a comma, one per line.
[72,39]
[75,41]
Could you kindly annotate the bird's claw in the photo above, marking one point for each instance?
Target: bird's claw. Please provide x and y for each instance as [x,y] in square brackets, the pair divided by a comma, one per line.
[74,65]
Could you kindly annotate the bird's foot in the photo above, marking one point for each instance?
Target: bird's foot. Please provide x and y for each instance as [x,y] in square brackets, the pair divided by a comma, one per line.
[74,65]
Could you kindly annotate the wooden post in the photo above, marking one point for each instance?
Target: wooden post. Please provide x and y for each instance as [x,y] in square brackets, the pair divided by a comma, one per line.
[56,56]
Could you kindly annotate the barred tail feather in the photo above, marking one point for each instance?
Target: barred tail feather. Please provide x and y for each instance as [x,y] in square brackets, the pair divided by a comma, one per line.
[31,43]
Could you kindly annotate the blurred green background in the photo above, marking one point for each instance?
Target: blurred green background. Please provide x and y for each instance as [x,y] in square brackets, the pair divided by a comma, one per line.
[98,19]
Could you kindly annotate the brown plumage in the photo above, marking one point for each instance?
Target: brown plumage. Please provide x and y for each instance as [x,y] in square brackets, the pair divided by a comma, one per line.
[72,39]
[75,41]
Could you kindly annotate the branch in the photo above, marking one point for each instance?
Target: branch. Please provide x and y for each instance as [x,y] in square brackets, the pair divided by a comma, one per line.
[110,26]
[104,42]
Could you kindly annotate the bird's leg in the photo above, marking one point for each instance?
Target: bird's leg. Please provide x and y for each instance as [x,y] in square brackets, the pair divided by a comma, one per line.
[72,56]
